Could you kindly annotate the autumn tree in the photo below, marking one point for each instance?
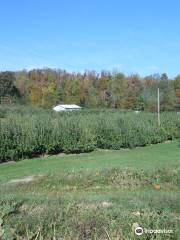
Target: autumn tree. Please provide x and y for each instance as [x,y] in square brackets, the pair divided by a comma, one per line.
[48,91]
[150,85]
[177,92]
[133,92]
[22,85]
[89,91]
[48,87]
[102,87]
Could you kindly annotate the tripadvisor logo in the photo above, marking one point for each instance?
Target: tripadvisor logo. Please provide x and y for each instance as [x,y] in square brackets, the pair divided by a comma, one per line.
[139,231]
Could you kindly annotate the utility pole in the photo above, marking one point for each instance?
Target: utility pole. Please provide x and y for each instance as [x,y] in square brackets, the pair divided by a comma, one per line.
[158,102]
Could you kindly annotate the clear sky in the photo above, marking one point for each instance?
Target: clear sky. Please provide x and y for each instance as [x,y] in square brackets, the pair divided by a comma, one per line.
[132,36]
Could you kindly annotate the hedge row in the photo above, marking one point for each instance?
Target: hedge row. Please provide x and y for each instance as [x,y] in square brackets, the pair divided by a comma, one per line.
[29,135]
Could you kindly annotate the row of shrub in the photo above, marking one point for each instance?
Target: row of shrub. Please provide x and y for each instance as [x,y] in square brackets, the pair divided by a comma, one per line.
[28,135]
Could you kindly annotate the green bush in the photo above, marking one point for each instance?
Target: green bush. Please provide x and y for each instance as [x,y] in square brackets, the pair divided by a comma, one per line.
[77,137]
[31,133]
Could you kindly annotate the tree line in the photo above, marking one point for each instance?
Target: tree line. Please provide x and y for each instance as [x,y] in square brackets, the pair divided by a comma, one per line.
[48,87]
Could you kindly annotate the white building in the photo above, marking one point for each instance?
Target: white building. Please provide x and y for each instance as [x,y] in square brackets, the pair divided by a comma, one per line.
[66,107]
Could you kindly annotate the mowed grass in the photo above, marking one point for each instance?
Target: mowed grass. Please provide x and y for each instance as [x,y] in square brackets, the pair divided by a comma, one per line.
[150,157]
[99,195]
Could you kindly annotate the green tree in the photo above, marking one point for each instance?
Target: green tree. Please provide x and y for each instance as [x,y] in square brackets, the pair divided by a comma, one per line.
[150,85]
[102,87]
[8,89]
[167,93]
[119,90]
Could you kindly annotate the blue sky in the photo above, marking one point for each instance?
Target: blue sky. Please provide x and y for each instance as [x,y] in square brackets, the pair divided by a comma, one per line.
[130,36]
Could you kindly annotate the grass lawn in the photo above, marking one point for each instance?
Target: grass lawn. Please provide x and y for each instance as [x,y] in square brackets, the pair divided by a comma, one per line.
[98,195]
